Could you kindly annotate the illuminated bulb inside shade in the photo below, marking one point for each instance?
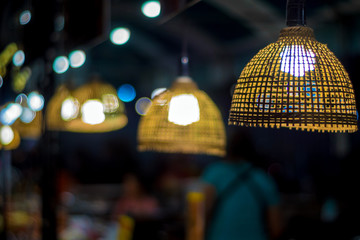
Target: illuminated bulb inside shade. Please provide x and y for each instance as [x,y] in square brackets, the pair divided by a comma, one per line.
[6,135]
[296,60]
[69,109]
[35,101]
[184,110]
[92,112]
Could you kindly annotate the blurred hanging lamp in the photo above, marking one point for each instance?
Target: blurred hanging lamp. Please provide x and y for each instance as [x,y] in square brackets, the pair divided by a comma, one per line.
[183,119]
[97,108]
[9,137]
[296,83]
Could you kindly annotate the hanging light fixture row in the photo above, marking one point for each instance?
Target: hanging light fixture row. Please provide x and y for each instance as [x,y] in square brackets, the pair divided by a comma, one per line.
[296,83]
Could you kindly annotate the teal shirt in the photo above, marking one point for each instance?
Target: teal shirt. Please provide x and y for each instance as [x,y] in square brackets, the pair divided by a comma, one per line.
[241,215]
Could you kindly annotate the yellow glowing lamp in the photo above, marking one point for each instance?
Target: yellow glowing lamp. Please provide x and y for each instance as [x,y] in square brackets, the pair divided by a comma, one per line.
[9,137]
[296,83]
[182,119]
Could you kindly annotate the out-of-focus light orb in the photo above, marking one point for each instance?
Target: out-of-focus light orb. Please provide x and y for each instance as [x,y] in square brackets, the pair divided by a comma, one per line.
[19,58]
[6,135]
[21,98]
[110,102]
[36,101]
[1,81]
[27,115]
[297,60]
[92,112]
[61,64]
[157,91]
[126,92]
[9,114]
[120,36]
[25,17]
[59,23]
[77,58]
[69,109]
[184,109]
[142,105]
[151,9]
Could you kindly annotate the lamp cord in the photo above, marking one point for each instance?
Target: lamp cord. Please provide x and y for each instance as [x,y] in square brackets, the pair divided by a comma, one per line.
[184,57]
[295,13]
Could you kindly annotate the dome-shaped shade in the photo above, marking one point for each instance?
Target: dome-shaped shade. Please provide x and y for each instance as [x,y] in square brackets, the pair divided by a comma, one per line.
[182,119]
[295,82]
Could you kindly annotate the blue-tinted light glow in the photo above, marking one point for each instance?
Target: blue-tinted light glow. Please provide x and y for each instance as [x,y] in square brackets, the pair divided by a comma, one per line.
[151,9]
[77,58]
[25,17]
[126,93]
[142,105]
[36,101]
[1,81]
[19,58]
[27,115]
[61,64]
[10,113]
[21,98]
[297,60]
[120,36]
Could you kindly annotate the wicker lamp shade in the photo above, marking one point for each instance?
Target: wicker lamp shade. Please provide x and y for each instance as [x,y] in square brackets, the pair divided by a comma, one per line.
[102,96]
[296,83]
[197,129]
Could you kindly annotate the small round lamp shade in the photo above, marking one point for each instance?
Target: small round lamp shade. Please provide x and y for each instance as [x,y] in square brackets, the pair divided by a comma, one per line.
[100,109]
[182,119]
[296,83]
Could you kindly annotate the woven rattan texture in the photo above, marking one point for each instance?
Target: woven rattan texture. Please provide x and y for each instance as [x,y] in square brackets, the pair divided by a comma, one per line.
[310,90]
[207,136]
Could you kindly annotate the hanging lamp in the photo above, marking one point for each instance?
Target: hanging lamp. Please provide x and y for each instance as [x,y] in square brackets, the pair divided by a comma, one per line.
[93,107]
[296,83]
[183,119]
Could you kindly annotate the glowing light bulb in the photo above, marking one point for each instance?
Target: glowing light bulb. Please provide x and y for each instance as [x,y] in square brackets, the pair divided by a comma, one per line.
[9,114]
[6,135]
[77,58]
[126,93]
[19,58]
[69,109]
[296,60]
[93,112]
[120,36]
[21,98]
[36,101]
[157,91]
[25,17]
[27,115]
[151,9]
[142,105]
[184,109]
[61,64]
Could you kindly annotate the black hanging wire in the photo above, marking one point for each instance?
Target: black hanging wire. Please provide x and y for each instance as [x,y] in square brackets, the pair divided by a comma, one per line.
[295,13]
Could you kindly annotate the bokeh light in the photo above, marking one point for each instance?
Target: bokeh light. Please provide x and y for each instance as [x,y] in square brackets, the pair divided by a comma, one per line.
[142,105]
[126,93]
[110,102]
[151,9]
[10,113]
[61,64]
[157,91]
[77,58]
[21,98]
[19,58]
[184,109]
[120,36]
[69,109]
[27,115]
[36,101]
[6,135]
[25,17]
[92,112]
[1,81]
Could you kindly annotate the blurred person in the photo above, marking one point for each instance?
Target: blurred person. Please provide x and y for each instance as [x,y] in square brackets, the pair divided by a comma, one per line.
[241,199]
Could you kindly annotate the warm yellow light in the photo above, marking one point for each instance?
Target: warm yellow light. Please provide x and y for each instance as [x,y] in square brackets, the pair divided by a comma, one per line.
[69,109]
[110,102]
[184,109]
[6,135]
[92,112]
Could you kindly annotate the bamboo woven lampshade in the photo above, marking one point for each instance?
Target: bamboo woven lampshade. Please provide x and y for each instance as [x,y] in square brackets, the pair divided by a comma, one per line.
[197,129]
[296,83]
[112,109]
